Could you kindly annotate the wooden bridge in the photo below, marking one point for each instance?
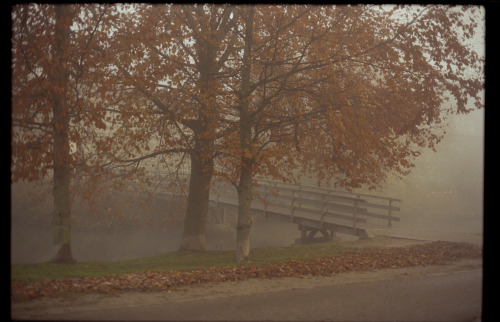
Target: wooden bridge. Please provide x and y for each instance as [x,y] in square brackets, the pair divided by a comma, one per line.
[314,210]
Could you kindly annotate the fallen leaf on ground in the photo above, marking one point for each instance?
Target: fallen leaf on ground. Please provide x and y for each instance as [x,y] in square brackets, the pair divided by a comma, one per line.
[367,259]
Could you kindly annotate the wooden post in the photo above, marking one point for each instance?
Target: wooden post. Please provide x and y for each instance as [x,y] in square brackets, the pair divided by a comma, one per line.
[292,205]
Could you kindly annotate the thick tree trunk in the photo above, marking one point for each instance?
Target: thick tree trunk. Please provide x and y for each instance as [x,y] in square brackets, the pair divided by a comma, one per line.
[193,237]
[61,219]
[204,128]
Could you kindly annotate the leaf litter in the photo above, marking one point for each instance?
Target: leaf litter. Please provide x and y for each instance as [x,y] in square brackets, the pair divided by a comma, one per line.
[366,259]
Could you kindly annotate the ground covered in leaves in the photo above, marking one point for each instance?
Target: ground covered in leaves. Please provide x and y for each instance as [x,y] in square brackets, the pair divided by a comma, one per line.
[365,259]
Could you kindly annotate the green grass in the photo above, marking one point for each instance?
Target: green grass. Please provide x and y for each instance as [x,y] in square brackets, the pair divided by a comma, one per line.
[171,261]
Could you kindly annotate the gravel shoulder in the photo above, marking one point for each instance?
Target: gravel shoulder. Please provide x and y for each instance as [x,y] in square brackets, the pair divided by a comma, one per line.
[75,303]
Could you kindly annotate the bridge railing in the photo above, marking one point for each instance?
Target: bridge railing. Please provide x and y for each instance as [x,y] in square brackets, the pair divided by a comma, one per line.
[337,204]
[324,202]
[358,207]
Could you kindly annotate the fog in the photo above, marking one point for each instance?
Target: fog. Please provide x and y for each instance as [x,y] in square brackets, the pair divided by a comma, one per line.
[115,239]
[442,194]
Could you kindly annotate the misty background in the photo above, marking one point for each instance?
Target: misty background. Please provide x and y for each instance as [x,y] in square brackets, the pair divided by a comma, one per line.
[442,194]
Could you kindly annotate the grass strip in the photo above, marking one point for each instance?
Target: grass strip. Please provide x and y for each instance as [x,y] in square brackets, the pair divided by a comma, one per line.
[360,259]
[173,261]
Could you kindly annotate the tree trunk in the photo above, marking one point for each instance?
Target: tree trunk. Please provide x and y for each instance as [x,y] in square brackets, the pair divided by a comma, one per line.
[61,218]
[244,216]
[193,237]
[202,166]
[247,154]
[204,128]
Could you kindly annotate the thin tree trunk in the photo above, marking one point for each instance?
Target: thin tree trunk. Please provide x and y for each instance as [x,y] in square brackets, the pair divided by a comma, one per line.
[61,219]
[244,216]
[246,162]
[244,187]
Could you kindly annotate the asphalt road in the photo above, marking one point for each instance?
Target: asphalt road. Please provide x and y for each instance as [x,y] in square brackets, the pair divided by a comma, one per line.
[455,296]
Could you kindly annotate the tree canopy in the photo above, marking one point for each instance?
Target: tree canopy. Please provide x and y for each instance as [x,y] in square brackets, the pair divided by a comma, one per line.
[345,93]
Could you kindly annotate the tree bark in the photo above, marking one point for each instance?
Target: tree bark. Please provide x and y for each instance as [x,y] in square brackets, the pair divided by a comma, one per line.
[244,187]
[247,158]
[193,237]
[244,216]
[207,41]
[202,165]
[61,220]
